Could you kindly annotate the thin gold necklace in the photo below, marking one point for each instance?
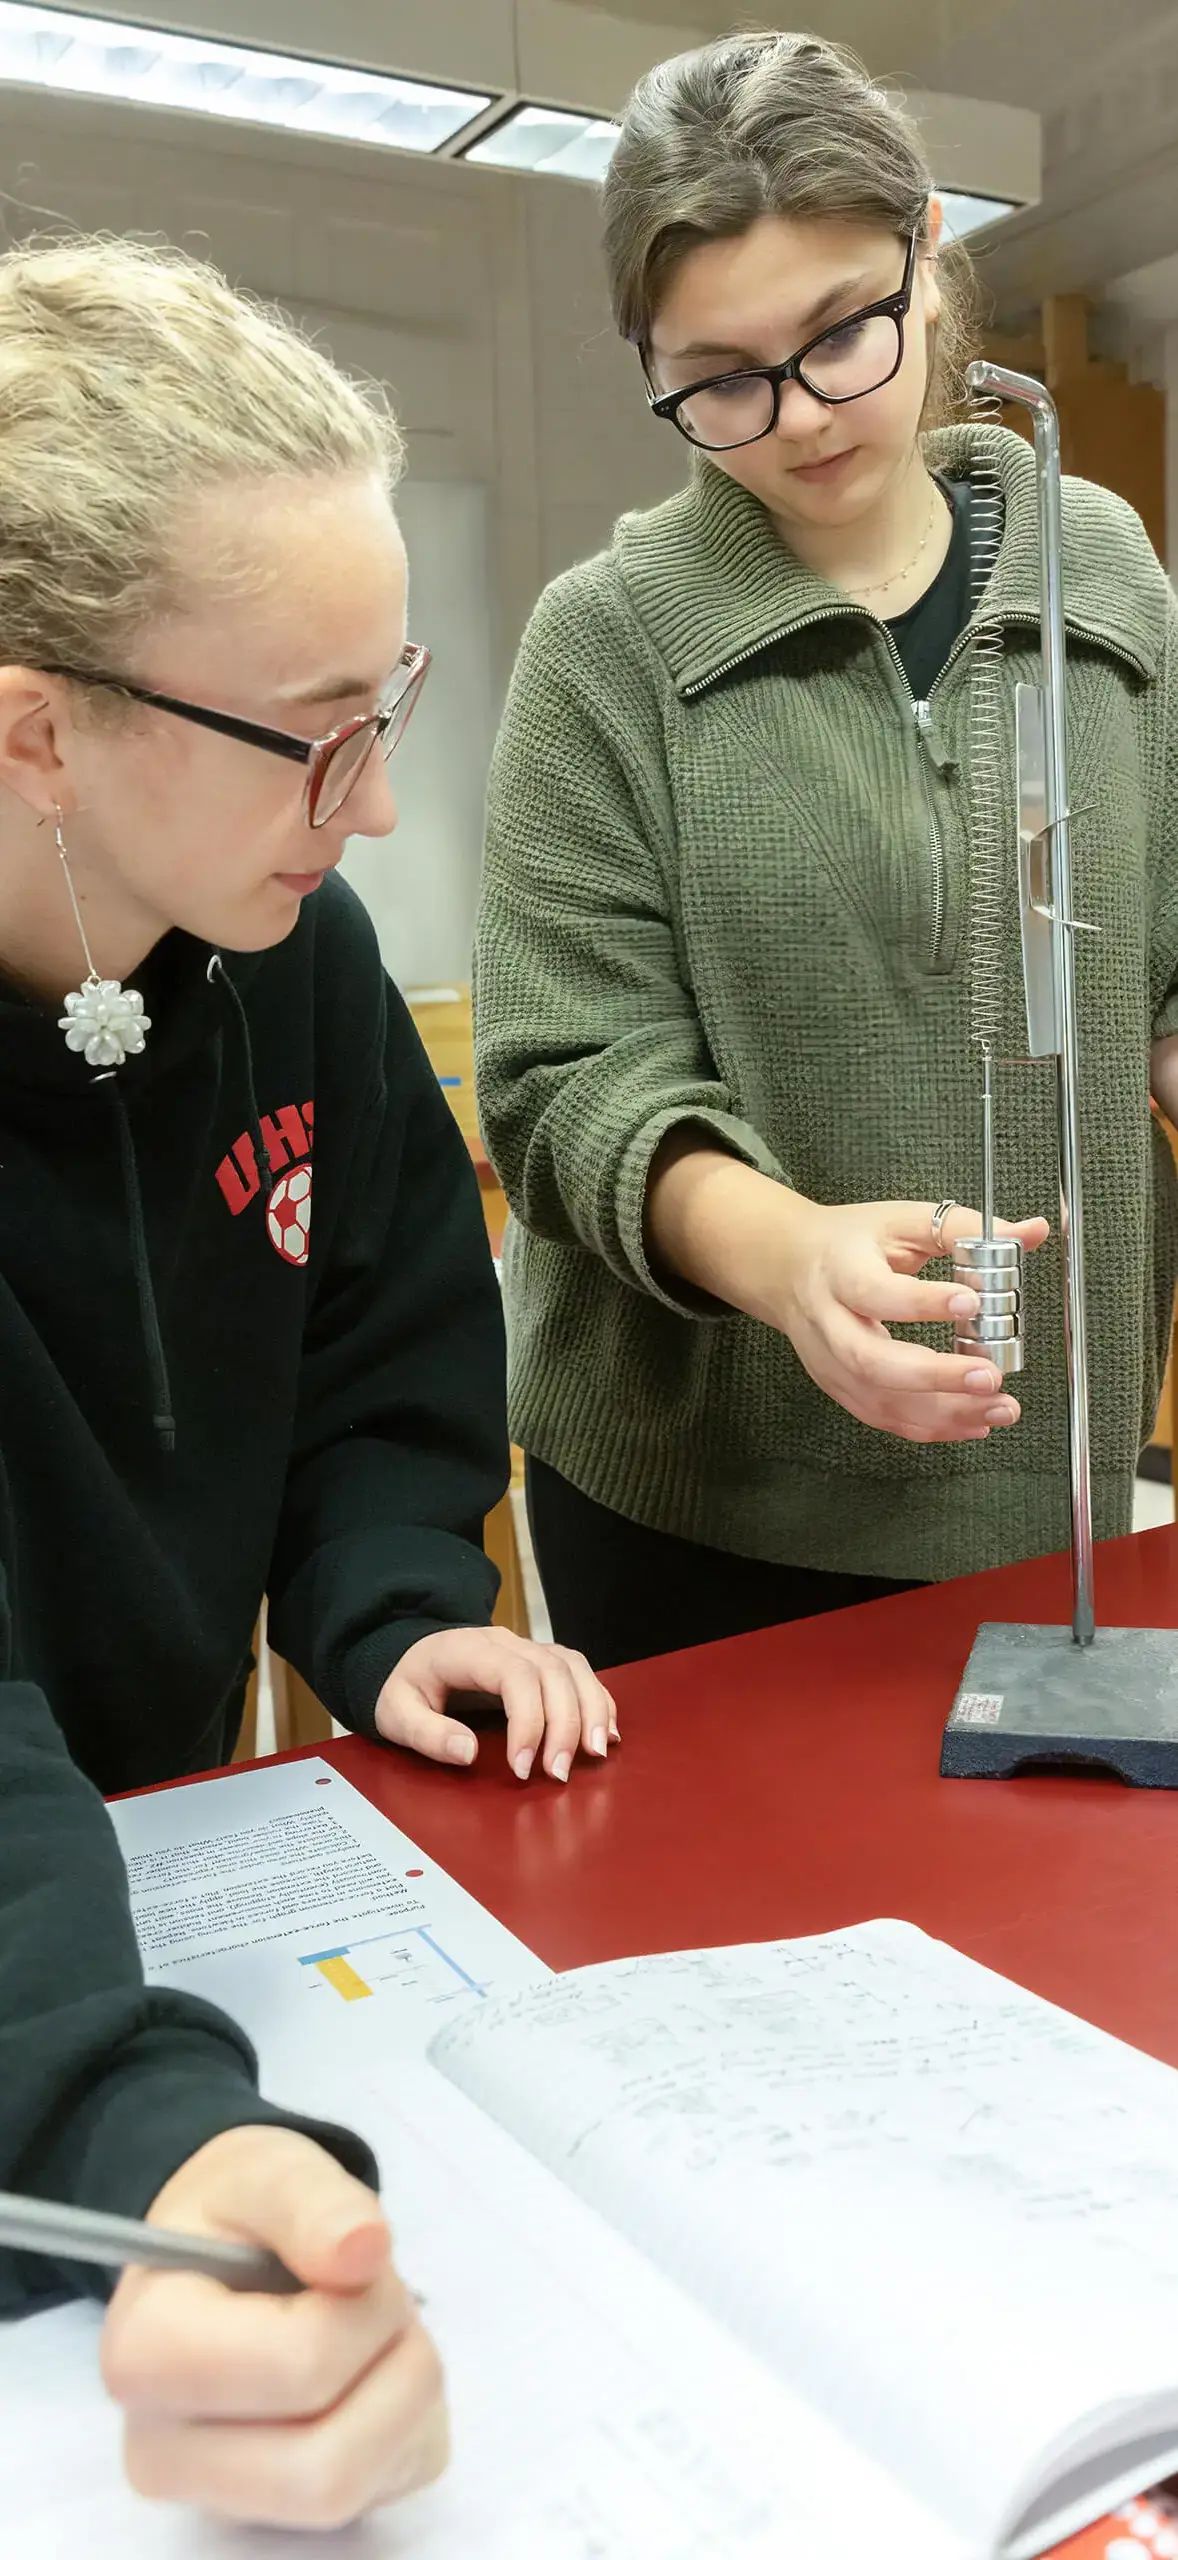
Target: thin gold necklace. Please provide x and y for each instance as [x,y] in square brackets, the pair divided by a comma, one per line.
[881,585]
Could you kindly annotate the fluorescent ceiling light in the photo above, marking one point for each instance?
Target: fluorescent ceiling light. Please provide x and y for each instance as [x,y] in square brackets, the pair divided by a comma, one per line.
[964,214]
[101,58]
[550,141]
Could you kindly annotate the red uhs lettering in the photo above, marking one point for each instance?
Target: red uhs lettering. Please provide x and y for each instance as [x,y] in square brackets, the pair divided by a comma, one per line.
[287,1135]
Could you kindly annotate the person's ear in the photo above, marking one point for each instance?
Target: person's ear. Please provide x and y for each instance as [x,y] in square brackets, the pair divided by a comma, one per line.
[34,731]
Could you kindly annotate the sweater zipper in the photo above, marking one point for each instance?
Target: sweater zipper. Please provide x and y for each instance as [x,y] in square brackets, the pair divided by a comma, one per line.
[922,715]
[921,711]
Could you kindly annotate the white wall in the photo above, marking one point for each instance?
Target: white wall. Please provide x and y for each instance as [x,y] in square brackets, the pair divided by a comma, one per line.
[479,298]
[420,885]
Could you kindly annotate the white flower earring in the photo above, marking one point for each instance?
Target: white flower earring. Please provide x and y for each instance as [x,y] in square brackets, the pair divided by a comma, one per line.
[103,1020]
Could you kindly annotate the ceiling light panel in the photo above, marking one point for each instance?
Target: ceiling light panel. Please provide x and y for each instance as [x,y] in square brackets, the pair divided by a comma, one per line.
[964,214]
[550,142]
[104,58]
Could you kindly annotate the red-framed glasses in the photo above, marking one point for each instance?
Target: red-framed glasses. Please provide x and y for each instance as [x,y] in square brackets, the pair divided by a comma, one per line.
[334,763]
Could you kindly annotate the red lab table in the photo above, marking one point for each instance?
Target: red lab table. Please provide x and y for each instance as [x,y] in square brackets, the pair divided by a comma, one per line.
[787,1782]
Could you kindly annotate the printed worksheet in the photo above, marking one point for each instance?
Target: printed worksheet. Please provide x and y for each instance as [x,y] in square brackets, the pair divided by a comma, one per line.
[285,1897]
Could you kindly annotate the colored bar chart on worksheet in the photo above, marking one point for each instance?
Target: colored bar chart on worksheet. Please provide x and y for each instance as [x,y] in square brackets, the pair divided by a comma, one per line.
[281,1894]
[395,1959]
[343,1977]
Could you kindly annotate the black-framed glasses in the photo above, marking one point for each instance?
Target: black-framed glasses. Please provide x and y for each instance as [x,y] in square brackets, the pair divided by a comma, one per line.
[860,354]
[334,762]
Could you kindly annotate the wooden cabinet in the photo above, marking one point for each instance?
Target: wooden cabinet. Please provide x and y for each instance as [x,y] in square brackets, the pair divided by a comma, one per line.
[1163,1434]
[1111,430]
[444,1018]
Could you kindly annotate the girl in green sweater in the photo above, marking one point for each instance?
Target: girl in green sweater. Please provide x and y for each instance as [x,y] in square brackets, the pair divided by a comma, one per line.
[723,962]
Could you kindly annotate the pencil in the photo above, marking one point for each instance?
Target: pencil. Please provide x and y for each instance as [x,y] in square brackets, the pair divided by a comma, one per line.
[107,2240]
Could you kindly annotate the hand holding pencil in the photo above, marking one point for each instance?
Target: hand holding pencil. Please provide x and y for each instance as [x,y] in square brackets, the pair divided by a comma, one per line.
[301,2408]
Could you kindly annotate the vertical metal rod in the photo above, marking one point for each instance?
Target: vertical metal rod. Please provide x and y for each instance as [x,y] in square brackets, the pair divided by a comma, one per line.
[1071,1201]
[1031,394]
[987,1144]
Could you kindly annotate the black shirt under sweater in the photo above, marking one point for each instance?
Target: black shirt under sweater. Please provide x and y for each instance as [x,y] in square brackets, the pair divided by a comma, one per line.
[925,634]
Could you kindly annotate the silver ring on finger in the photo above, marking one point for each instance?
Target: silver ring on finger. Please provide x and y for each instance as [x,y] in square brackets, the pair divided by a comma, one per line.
[940,1214]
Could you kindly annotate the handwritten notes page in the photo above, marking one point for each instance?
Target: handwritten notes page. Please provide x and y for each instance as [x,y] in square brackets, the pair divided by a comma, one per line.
[945,2210]
[597,2413]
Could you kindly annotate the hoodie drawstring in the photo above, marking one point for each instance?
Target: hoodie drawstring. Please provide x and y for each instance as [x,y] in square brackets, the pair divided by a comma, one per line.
[218,977]
[163,1419]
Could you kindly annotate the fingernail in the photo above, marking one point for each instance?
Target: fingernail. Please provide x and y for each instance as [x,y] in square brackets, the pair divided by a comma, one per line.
[964,1302]
[999,1413]
[561,1766]
[460,1747]
[598,1742]
[614,1735]
[356,2237]
[980,1381]
[522,1763]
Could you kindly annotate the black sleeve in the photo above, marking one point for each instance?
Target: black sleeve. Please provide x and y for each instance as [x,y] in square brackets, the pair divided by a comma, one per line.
[400,1445]
[106,2087]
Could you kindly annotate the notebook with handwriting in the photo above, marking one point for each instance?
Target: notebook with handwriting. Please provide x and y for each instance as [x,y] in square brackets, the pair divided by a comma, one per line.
[942,2213]
[835,2248]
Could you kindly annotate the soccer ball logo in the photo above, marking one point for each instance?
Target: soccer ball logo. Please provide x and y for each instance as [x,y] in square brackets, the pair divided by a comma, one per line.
[288,1216]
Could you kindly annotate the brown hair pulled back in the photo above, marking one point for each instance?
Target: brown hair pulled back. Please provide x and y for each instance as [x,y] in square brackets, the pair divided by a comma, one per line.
[790,125]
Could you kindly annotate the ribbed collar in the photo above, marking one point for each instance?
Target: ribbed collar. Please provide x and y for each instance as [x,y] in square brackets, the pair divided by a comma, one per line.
[711,578]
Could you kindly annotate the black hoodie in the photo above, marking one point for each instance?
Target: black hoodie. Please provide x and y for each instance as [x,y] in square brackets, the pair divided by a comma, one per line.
[208,1393]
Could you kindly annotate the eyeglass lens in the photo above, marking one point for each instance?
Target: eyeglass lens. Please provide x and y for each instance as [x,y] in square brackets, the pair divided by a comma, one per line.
[346,762]
[845,365]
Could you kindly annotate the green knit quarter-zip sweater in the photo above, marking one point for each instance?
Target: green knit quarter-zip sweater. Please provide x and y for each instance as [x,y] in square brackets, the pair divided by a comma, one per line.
[728,882]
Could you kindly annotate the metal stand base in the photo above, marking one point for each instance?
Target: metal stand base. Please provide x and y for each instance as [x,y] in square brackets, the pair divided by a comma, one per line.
[1032,1697]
